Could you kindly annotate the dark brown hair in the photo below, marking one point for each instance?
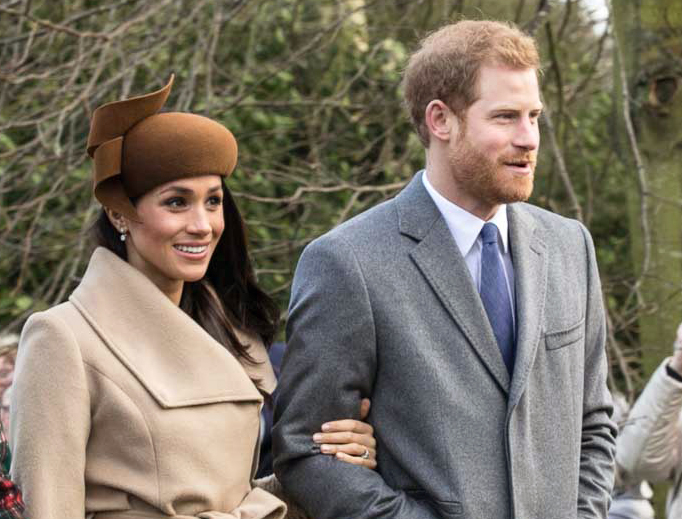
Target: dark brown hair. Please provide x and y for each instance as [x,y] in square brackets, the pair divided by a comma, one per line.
[446,65]
[227,297]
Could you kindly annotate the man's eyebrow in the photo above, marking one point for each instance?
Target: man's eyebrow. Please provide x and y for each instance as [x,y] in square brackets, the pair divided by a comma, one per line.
[503,108]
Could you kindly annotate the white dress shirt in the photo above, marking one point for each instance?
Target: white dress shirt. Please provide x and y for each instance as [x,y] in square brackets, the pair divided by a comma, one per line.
[466,231]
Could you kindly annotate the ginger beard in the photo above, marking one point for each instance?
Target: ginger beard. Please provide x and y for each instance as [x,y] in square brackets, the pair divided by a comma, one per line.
[487,179]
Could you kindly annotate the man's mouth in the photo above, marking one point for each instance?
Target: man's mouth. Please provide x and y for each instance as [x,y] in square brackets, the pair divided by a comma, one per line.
[522,165]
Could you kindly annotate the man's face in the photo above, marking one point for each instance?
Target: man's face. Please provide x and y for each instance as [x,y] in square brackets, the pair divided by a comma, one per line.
[493,151]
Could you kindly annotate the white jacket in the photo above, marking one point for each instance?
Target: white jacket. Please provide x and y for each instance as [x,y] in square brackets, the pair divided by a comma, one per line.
[649,445]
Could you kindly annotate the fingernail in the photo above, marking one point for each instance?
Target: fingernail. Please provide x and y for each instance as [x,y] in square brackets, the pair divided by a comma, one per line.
[325,448]
[340,455]
[325,426]
[317,437]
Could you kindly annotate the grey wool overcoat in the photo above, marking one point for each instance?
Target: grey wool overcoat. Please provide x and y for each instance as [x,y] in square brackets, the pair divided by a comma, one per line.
[125,408]
[384,307]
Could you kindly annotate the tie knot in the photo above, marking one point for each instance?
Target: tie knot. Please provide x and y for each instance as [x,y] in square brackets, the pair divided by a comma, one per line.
[489,233]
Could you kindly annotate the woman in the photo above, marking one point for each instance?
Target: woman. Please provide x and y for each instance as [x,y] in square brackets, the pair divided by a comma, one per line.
[649,444]
[630,499]
[140,396]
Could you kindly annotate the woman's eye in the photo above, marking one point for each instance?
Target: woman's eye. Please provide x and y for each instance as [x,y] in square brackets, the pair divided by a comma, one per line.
[215,201]
[176,202]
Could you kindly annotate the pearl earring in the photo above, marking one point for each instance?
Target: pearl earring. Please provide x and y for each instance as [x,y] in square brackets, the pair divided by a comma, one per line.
[123,233]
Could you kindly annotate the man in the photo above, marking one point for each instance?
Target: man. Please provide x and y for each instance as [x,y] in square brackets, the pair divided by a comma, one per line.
[473,321]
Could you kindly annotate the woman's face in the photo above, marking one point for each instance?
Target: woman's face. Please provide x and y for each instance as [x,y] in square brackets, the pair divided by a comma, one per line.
[182,222]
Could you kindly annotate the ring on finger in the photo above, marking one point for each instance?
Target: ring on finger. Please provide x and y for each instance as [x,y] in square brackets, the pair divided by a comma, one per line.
[365,455]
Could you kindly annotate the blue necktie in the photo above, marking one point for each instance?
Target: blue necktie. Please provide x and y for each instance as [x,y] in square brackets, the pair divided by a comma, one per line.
[495,295]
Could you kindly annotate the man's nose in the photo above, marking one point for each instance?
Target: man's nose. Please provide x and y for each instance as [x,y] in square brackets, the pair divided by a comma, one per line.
[527,134]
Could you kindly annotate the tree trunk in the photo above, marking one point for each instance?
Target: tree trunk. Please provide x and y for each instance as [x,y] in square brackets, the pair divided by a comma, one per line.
[649,37]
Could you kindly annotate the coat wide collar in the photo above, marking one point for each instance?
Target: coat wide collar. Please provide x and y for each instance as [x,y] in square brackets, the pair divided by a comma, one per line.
[176,360]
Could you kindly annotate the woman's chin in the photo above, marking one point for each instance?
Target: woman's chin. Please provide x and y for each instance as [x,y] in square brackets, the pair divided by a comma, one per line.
[192,275]
[193,278]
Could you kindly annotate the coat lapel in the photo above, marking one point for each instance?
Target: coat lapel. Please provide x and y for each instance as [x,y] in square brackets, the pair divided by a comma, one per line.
[168,352]
[441,263]
[529,256]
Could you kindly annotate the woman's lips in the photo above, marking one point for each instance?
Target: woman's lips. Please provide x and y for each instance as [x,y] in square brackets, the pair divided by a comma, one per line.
[192,251]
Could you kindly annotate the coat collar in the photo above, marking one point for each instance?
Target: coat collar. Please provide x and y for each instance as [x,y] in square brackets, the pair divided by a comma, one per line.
[438,258]
[417,212]
[168,352]
[530,257]
[442,264]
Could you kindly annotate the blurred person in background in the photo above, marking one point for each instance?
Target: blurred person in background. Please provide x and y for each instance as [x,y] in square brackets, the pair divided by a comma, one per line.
[8,355]
[141,395]
[631,500]
[11,501]
[649,445]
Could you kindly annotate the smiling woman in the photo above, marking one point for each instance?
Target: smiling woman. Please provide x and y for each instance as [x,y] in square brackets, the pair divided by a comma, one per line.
[184,224]
[141,395]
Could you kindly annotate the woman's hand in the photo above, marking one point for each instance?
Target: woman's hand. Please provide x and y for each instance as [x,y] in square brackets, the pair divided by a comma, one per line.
[676,361]
[351,441]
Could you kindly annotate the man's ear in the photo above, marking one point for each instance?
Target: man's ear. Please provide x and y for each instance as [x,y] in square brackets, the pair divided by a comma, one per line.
[119,221]
[439,119]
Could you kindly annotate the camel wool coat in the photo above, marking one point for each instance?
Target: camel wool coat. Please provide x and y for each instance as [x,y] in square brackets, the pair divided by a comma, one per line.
[124,407]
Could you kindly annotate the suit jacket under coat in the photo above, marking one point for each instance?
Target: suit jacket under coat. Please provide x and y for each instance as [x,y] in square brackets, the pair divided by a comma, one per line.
[384,307]
[123,407]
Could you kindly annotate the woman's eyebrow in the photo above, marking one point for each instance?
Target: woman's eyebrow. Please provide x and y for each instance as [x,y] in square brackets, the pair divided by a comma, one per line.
[186,190]
[177,189]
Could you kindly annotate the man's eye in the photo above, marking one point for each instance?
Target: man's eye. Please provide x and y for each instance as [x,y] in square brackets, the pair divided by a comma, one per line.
[506,116]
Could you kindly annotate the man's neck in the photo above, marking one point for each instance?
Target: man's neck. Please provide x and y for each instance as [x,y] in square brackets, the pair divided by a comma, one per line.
[448,189]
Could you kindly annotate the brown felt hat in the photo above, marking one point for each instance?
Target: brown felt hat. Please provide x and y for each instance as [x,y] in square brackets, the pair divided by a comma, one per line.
[135,148]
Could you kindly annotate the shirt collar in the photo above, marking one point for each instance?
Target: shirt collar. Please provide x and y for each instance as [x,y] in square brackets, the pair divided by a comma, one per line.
[464,226]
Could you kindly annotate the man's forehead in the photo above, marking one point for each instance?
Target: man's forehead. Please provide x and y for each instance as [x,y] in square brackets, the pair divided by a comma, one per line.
[503,85]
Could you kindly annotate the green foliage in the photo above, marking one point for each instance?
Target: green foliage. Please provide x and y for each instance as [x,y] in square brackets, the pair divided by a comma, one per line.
[311,89]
